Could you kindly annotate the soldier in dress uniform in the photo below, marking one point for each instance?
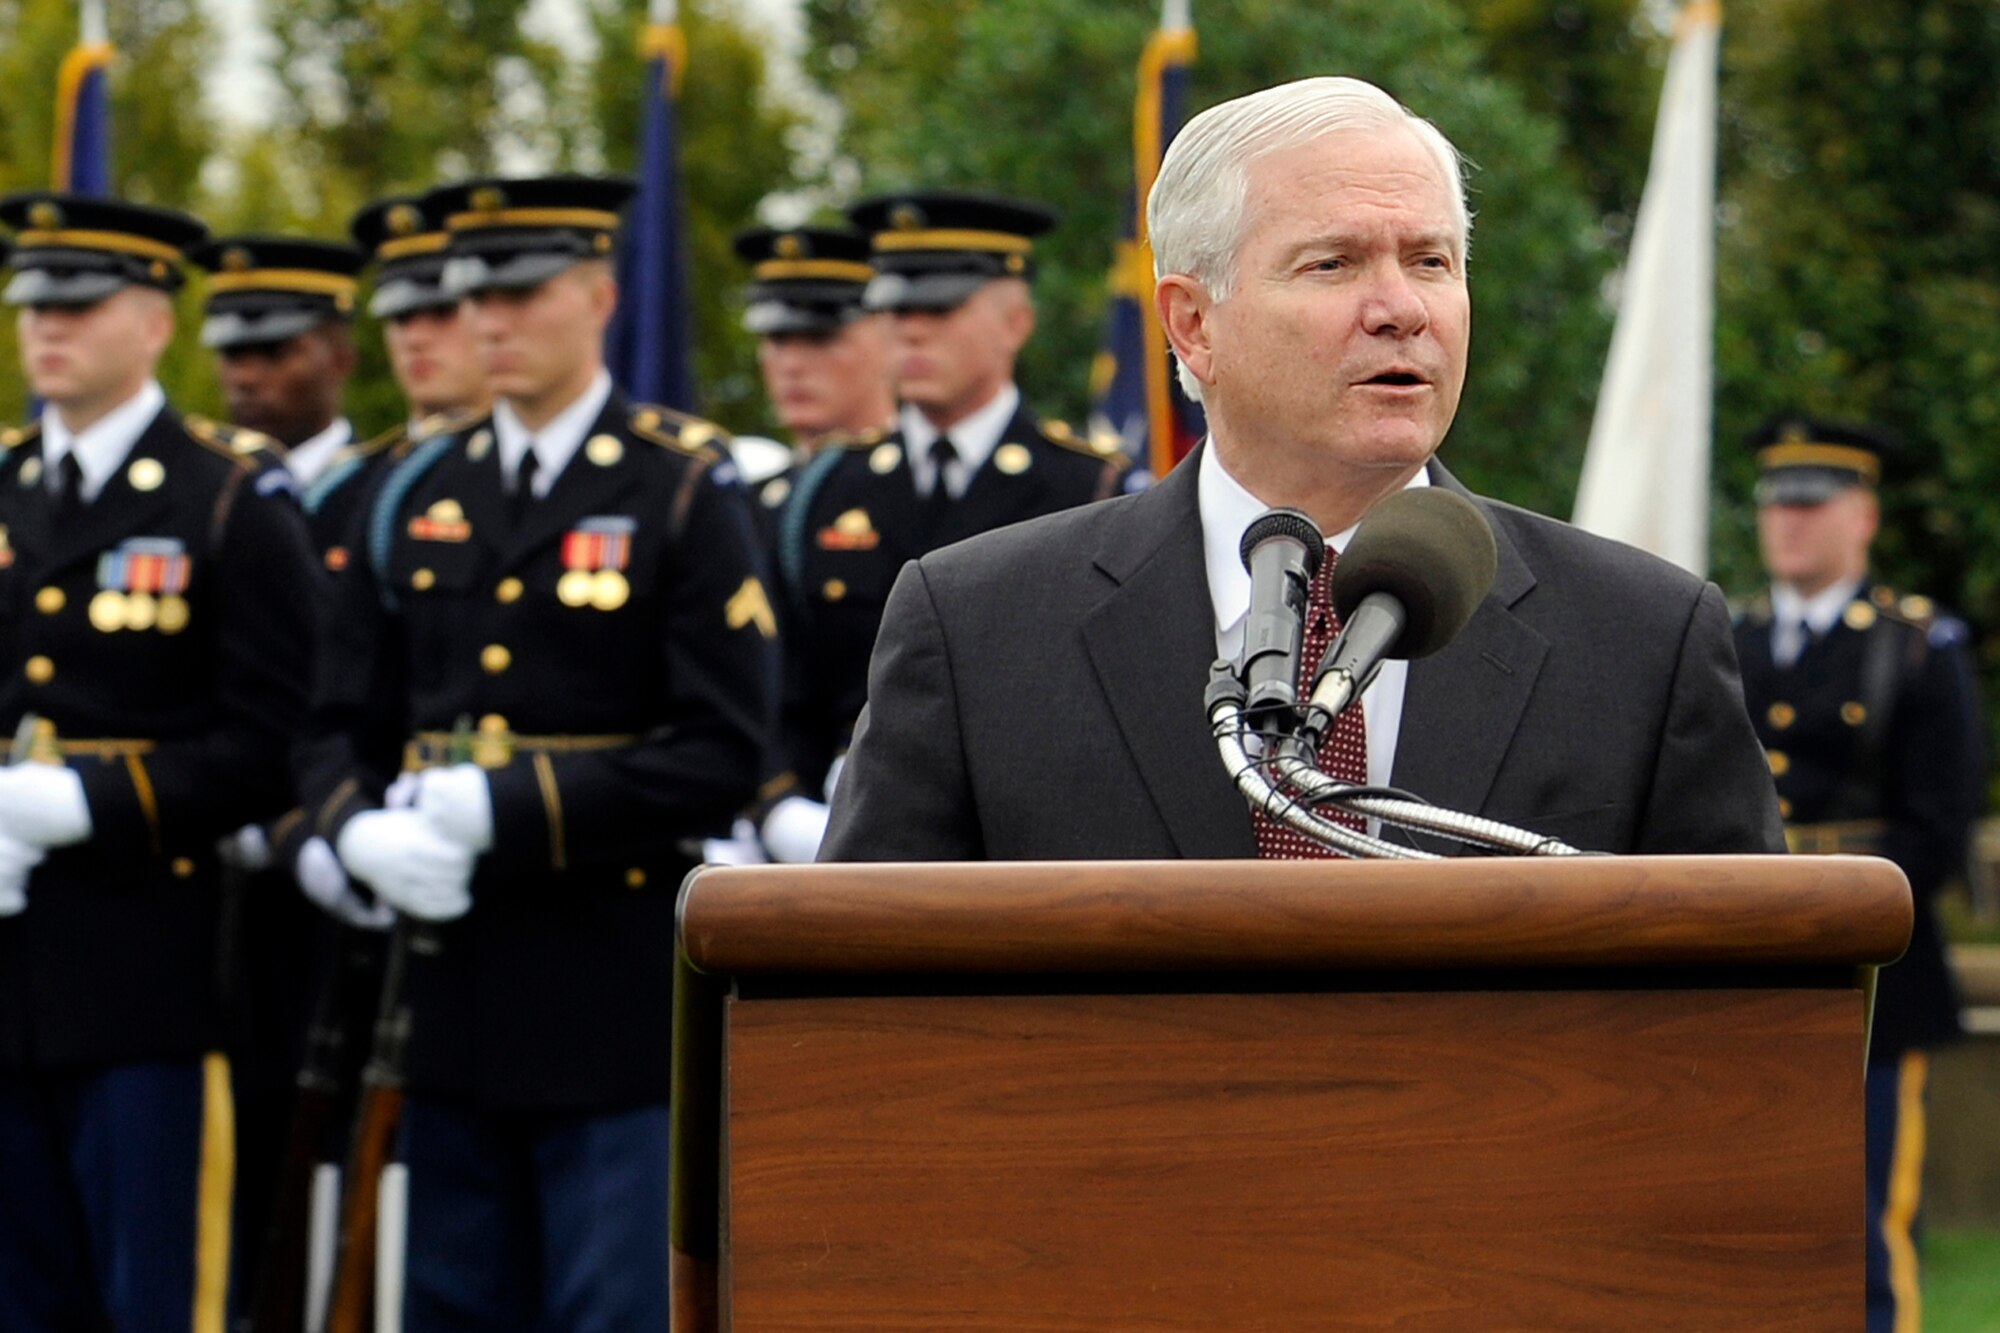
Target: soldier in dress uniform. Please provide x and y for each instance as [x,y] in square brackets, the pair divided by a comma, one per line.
[155,637]
[1864,700]
[278,314]
[953,272]
[824,357]
[574,579]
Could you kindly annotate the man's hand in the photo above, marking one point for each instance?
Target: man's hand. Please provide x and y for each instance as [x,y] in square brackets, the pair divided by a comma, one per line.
[43,805]
[322,880]
[413,867]
[17,860]
[458,802]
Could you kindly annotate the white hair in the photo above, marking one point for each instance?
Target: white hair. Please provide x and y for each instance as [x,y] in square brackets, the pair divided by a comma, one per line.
[1197,212]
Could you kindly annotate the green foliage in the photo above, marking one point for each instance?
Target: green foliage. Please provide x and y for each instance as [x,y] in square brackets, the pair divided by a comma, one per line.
[734,151]
[161,133]
[1859,270]
[1034,97]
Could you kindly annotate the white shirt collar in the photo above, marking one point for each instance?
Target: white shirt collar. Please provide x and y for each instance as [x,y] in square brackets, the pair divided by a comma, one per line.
[557,442]
[974,439]
[1227,509]
[307,460]
[101,446]
[1821,610]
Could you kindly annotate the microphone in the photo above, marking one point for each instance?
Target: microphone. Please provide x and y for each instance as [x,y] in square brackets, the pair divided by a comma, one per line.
[1417,567]
[1282,550]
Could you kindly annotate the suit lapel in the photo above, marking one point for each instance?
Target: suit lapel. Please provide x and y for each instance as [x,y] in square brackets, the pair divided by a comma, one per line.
[1151,642]
[1464,703]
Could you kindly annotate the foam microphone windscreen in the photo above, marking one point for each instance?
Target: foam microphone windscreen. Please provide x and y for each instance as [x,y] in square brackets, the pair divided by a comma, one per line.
[1431,550]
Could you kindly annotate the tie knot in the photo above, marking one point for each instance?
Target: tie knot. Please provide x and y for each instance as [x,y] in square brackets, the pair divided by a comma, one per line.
[943,452]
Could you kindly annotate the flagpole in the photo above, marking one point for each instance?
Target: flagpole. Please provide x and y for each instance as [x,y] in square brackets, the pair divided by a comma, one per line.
[96,26]
[1173,46]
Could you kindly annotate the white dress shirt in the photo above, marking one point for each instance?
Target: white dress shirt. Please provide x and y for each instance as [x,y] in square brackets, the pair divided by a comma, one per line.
[1790,608]
[308,460]
[555,443]
[1227,509]
[100,447]
[973,439]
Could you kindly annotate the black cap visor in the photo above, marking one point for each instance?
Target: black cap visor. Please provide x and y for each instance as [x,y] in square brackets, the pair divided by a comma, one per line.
[921,293]
[1804,485]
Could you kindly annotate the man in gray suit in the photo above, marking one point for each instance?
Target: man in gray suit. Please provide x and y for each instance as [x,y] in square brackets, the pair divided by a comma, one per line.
[1037,692]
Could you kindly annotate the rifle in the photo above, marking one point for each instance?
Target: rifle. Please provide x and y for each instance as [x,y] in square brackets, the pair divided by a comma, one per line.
[278,1303]
[352,1307]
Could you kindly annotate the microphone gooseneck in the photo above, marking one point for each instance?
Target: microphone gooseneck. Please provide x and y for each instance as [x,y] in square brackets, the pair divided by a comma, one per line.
[1282,551]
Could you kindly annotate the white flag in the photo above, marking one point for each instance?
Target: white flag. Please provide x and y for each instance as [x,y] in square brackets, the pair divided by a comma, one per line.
[1645,475]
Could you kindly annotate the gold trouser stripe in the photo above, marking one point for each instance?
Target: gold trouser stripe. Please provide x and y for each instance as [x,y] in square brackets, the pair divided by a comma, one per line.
[104,747]
[148,805]
[545,774]
[1906,1178]
[217,1184]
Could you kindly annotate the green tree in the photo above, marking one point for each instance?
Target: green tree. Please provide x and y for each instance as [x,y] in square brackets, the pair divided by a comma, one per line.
[161,131]
[1859,269]
[735,150]
[1034,97]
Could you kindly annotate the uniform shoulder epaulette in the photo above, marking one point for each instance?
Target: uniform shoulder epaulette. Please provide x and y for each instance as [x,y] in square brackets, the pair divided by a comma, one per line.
[1908,609]
[679,430]
[861,439]
[248,449]
[1105,448]
[389,439]
[14,436]
[439,424]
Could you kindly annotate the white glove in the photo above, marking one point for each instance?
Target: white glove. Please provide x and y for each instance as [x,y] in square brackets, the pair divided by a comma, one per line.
[43,805]
[413,867]
[793,830]
[740,848]
[246,849]
[402,793]
[458,801]
[17,860]
[322,880]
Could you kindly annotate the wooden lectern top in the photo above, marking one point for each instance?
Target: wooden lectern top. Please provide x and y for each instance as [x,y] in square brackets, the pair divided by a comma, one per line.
[1000,918]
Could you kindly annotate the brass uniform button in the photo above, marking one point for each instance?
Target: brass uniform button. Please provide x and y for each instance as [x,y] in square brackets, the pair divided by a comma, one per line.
[423,580]
[1781,763]
[183,867]
[50,600]
[1013,459]
[1784,808]
[495,659]
[635,879]
[492,723]
[509,591]
[1858,615]
[604,450]
[833,589]
[1853,713]
[884,458]
[1782,715]
[40,670]
[146,474]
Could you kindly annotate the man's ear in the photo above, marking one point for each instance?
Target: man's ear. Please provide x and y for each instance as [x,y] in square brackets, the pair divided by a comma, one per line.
[1185,308]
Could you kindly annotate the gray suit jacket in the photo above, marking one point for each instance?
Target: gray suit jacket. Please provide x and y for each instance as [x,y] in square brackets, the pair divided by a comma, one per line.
[1036,693]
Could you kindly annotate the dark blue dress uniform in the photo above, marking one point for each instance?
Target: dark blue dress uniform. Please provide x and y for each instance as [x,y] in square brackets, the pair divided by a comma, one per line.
[849,522]
[1874,741]
[610,648]
[850,519]
[162,633]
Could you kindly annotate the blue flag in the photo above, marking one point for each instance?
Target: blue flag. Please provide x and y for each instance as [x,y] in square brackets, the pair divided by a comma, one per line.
[1132,382]
[650,345]
[83,121]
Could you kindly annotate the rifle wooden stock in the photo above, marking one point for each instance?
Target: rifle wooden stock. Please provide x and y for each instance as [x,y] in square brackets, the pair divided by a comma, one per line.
[351,1306]
[278,1305]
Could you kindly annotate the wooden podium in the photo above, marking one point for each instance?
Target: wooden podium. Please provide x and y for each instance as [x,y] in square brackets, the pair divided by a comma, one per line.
[1591,1093]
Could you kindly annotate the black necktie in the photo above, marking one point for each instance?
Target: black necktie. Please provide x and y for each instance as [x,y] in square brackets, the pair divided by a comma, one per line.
[938,503]
[1806,639]
[523,493]
[68,485]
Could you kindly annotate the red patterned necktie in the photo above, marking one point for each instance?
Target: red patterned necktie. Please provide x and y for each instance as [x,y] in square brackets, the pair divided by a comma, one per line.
[1343,756]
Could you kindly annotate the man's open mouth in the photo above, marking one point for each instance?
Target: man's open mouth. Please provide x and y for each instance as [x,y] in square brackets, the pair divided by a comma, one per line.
[1401,379]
